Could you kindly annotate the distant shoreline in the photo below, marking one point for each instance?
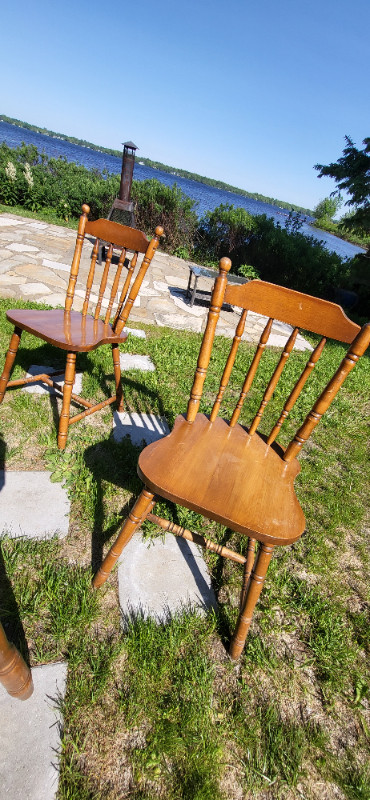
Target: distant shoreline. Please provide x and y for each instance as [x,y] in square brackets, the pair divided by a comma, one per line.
[158,165]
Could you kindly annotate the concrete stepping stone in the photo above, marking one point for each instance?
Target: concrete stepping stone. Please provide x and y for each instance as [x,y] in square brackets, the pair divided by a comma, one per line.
[17,247]
[32,506]
[139,427]
[175,280]
[43,388]
[160,577]
[35,288]
[179,322]
[136,332]
[46,262]
[130,361]
[7,222]
[183,303]
[30,737]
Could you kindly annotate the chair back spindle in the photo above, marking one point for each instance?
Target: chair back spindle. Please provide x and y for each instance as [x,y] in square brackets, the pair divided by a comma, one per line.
[274,380]
[229,364]
[293,397]
[251,372]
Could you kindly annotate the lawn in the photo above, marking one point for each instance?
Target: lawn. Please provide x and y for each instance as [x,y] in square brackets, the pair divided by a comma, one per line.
[147,714]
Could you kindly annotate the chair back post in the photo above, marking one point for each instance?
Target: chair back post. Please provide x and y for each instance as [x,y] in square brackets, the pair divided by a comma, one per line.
[76,257]
[356,350]
[123,316]
[217,300]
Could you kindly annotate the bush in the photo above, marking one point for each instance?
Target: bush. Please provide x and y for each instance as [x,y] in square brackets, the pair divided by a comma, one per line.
[157,204]
[35,181]
[286,257]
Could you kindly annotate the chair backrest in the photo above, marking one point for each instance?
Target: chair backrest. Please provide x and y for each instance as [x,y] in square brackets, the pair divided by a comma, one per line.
[299,310]
[121,289]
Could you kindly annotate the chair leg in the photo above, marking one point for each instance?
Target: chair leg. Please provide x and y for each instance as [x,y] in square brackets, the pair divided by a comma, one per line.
[140,511]
[67,392]
[248,566]
[14,674]
[117,376]
[9,361]
[254,590]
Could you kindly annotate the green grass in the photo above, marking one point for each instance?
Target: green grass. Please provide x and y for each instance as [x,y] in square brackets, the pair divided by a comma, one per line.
[159,711]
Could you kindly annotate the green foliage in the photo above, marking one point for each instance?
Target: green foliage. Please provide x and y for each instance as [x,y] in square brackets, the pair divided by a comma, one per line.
[352,174]
[36,181]
[281,255]
[157,204]
[327,208]
[248,272]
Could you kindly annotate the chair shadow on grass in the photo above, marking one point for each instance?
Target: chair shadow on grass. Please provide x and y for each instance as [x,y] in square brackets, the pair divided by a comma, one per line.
[9,613]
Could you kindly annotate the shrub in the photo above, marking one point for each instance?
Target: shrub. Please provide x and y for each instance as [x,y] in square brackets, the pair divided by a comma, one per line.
[282,256]
[157,204]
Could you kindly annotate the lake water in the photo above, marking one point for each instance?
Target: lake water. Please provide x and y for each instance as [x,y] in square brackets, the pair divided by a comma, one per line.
[205,197]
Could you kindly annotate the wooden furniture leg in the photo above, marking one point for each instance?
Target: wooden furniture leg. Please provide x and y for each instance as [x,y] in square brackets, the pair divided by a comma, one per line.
[255,587]
[9,361]
[248,566]
[14,674]
[67,392]
[117,377]
[140,511]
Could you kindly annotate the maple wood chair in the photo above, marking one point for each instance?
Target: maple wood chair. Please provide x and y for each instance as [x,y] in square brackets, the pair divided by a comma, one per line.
[80,332]
[15,676]
[230,473]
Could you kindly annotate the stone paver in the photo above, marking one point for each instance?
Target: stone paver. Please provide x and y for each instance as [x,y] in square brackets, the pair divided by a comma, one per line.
[139,427]
[136,332]
[161,577]
[30,737]
[130,361]
[32,506]
[43,388]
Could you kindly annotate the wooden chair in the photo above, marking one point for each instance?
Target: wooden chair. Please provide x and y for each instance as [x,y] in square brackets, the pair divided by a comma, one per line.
[80,332]
[230,473]
[15,676]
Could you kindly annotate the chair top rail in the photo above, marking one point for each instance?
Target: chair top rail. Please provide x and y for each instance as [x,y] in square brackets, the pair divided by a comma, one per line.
[120,235]
[297,309]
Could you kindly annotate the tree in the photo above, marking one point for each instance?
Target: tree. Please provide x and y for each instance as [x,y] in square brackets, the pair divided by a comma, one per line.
[352,174]
[327,208]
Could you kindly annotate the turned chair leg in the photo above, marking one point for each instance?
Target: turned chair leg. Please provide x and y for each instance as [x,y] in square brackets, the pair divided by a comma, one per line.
[67,392]
[9,361]
[248,566]
[14,674]
[254,590]
[140,511]
[117,376]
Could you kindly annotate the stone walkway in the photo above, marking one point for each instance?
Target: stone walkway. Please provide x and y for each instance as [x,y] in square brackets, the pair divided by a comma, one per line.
[35,259]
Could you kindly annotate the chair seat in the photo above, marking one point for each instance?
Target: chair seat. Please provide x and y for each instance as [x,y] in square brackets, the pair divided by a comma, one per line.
[68,330]
[226,475]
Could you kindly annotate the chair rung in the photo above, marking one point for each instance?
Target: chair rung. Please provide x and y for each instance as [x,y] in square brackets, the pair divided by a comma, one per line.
[41,377]
[196,538]
[91,409]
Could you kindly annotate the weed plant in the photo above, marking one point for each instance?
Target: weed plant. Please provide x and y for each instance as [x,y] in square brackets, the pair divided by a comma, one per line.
[159,711]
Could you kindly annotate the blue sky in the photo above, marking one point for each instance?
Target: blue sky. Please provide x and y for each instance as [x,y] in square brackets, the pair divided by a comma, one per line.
[252,92]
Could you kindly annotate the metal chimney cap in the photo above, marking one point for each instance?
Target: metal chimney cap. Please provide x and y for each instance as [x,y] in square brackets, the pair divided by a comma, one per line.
[131,145]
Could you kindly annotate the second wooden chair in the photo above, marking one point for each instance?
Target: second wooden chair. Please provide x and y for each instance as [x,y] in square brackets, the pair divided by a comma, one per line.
[80,331]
